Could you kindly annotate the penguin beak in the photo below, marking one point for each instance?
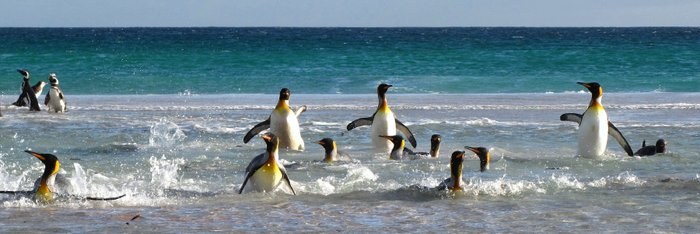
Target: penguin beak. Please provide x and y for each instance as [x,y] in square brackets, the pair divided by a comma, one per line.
[37,155]
[584,84]
[266,137]
[320,143]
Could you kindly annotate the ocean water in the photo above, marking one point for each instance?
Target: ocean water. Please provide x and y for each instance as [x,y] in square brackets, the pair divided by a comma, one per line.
[170,136]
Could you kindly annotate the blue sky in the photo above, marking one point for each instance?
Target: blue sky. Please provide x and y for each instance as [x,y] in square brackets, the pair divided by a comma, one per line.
[347,13]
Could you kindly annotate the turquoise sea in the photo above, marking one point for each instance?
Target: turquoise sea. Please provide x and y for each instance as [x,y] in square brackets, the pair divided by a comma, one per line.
[159,114]
[352,60]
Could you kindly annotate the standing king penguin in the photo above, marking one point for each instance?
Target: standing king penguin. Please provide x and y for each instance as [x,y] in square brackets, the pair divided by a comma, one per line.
[54,98]
[28,97]
[594,126]
[383,123]
[265,172]
[283,122]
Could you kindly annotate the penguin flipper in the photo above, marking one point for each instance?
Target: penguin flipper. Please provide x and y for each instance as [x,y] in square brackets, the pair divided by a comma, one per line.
[615,133]
[360,122]
[301,109]
[406,132]
[252,167]
[573,117]
[247,177]
[256,129]
[286,179]
[104,198]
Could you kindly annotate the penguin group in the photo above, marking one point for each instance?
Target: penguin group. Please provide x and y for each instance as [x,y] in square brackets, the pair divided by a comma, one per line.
[29,95]
[265,172]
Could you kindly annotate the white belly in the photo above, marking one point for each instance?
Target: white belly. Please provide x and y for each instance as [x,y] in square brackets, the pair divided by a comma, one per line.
[284,124]
[383,124]
[56,104]
[593,134]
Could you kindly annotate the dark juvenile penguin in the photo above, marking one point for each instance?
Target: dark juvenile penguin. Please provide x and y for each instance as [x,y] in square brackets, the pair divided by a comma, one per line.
[659,148]
[28,96]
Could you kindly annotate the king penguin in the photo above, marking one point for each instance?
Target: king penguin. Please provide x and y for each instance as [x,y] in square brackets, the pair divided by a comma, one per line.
[283,122]
[45,187]
[54,98]
[265,172]
[383,123]
[331,150]
[484,157]
[51,184]
[454,183]
[594,126]
[398,151]
[28,97]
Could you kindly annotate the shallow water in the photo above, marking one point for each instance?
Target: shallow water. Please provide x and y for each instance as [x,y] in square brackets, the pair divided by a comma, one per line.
[180,160]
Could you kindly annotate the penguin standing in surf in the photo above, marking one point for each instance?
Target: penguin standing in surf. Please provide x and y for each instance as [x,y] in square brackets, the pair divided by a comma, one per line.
[383,123]
[283,122]
[28,96]
[594,126]
[54,98]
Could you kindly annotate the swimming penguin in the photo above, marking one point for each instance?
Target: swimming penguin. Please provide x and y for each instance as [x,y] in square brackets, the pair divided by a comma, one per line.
[454,183]
[383,123]
[484,157]
[594,126]
[51,183]
[659,148]
[28,96]
[435,145]
[331,149]
[283,122]
[265,172]
[398,151]
[54,98]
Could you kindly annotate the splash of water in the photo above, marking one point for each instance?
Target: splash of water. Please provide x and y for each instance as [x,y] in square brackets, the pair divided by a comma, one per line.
[165,134]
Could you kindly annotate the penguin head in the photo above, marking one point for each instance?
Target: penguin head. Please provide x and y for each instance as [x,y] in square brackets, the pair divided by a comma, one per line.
[285,94]
[661,146]
[484,156]
[52,79]
[271,141]
[24,73]
[435,140]
[397,140]
[50,161]
[594,87]
[327,143]
[382,88]
[456,164]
